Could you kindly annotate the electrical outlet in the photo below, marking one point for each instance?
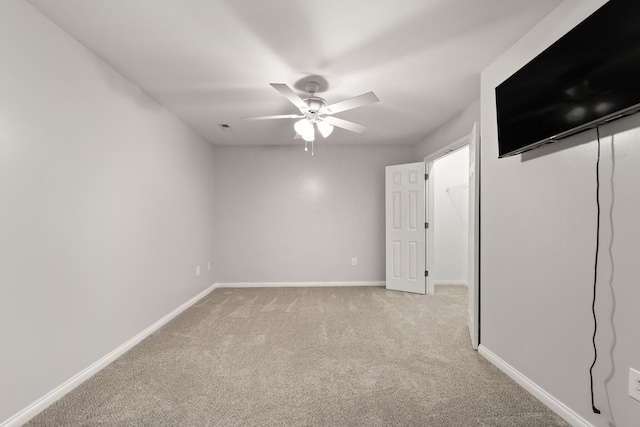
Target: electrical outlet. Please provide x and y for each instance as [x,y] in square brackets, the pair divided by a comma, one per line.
[197,270]
[634,384]
[354,261]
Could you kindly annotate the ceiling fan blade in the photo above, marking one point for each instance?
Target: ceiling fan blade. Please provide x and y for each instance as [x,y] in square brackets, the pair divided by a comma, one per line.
[281,116]
[297,136]
[355,102]
[344,124]
[288,93]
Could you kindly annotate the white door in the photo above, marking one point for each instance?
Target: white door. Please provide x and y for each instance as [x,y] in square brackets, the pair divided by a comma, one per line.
[405,227]
[474,227]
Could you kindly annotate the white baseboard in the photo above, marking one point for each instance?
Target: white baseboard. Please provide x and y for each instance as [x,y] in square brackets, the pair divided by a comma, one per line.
[45,401]
[450,282]
[294,284]
[542,395]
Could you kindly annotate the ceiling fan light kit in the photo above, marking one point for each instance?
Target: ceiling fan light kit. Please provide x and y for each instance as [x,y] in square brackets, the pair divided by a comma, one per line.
[324,128]
[304,128]
[316,114]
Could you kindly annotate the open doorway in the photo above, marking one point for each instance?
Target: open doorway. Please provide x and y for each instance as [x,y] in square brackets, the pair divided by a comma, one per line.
[453,205]
[408,200]
[450,221]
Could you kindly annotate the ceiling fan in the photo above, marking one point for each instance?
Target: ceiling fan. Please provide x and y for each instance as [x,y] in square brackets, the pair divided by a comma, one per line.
[315,114]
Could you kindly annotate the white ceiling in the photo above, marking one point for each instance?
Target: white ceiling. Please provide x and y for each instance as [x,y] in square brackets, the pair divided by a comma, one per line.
[211,61]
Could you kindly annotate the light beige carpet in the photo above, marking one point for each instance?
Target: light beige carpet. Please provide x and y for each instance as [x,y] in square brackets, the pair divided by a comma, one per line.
[305,357]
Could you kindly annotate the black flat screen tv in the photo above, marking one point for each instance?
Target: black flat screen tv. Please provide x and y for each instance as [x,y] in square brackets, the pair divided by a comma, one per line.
[588,77]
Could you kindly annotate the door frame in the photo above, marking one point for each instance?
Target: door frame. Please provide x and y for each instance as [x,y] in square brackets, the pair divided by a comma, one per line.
[429,159]
[450,148]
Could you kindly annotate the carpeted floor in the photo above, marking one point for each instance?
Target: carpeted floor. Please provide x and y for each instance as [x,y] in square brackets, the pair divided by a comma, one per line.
[305,357]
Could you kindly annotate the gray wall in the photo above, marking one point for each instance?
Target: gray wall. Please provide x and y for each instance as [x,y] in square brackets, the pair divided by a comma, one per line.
[284,216]
[538,235]
[455,128]
[107,206]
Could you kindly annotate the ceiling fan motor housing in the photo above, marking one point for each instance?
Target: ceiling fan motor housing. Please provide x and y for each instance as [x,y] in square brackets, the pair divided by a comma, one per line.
[315,113]
[315,104]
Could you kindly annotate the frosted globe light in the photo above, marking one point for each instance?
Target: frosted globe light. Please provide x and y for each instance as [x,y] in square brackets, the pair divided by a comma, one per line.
[324,128]
[304,128]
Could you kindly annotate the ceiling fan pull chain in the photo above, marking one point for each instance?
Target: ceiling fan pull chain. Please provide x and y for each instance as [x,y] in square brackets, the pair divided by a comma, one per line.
[305,146]
[312,148]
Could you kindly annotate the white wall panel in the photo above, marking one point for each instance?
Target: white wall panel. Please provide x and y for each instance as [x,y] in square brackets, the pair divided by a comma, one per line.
[289,216]
[107,207]
[538,235]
